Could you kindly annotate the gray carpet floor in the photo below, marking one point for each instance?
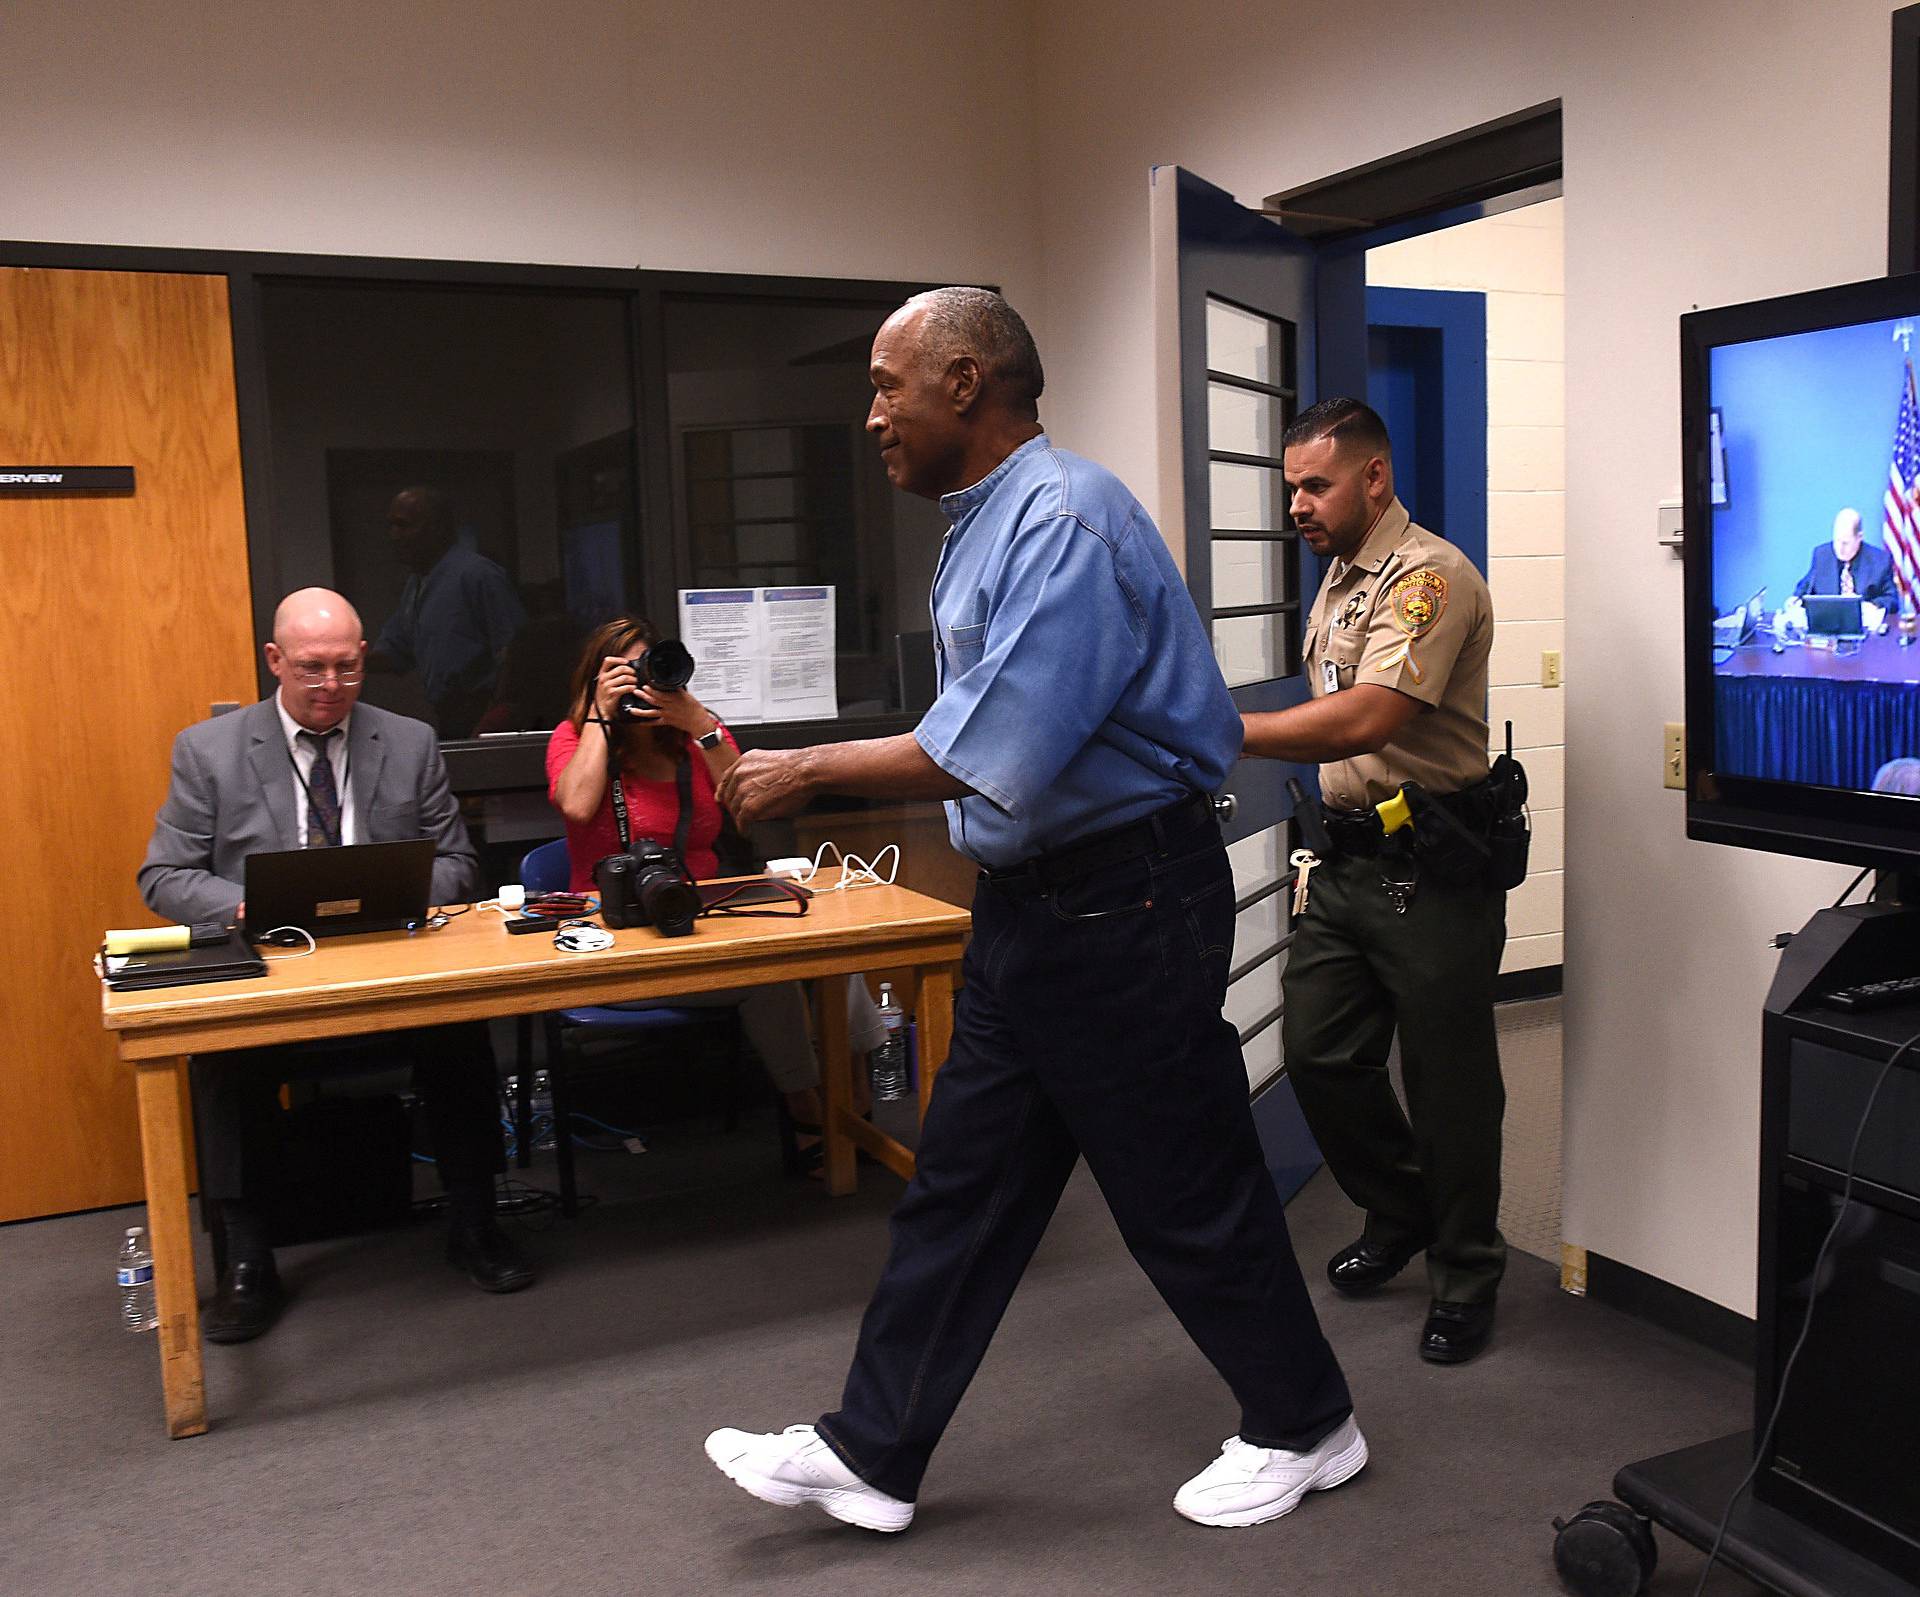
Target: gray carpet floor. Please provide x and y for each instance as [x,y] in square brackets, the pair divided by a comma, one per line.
[1530,1062]
[402,1433]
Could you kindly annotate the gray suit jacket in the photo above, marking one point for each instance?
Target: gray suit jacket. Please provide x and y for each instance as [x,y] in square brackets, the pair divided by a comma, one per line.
[232,795]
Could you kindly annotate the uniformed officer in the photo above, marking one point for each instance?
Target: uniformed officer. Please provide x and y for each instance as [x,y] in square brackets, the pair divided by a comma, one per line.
[1391,936]
[1080,725]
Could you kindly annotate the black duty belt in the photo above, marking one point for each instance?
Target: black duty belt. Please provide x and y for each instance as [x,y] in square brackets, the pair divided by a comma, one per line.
[1360,832]
[1151,834]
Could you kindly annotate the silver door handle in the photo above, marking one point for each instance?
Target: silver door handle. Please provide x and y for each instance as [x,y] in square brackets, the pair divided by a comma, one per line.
[1224,806]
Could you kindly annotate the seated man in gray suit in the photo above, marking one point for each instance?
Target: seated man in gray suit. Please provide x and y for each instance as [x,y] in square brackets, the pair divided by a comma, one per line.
[305,769]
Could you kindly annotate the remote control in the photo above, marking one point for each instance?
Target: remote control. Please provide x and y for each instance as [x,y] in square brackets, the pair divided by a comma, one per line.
[1875,994]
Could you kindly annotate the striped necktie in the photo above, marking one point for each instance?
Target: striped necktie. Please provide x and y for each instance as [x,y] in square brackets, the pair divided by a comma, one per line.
[323,796]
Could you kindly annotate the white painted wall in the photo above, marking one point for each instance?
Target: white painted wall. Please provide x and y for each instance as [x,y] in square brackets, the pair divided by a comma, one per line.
[1516,259]
[1716,151]
[757,136]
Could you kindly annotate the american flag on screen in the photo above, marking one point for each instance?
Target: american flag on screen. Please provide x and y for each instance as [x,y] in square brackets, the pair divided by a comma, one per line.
[1900,521]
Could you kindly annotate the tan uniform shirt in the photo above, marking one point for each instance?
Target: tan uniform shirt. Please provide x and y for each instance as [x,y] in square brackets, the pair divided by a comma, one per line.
[1409,612]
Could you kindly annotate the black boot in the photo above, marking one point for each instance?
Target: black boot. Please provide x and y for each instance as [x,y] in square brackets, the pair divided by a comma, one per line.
[477,1246]
[248,1301]
[1454,1332]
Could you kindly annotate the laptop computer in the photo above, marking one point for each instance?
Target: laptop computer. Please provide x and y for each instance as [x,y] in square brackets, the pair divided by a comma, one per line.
[1833,615]
[328,892]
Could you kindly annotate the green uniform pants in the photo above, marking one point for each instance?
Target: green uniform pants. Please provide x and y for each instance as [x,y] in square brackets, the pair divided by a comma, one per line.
[1355,972]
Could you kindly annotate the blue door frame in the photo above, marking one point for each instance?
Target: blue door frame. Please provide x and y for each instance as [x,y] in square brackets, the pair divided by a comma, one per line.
[1427,376]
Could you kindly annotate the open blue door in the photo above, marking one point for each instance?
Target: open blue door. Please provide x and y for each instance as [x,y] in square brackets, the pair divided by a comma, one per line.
[1241,317]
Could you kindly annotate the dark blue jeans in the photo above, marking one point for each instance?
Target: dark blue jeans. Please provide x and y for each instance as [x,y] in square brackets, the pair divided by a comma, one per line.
[1090,1025]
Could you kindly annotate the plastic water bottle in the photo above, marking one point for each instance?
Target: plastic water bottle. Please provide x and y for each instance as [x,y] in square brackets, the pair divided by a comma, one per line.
[135,1274]
[888,1063]
[540,1111]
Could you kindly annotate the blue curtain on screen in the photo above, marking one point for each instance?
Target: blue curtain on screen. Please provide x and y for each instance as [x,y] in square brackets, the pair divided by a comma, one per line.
[1835,734]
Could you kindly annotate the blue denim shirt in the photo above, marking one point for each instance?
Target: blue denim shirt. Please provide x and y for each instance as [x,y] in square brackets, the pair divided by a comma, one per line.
[1078,689]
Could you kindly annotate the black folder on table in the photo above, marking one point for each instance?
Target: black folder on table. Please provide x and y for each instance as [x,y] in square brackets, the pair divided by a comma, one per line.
[180,967]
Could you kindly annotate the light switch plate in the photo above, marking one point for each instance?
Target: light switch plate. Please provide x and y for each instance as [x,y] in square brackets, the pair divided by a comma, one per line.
[1549,668]
[1673,762]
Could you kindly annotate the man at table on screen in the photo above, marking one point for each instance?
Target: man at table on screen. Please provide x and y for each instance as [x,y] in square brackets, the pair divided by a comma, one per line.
[306,769]
[1080,725]
[1850,567]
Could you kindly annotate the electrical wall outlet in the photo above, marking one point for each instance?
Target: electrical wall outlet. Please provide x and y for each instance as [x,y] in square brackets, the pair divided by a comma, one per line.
[1673,762]
[1549,668]
[1573,1269]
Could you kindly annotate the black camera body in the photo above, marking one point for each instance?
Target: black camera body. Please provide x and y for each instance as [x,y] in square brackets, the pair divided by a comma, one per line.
[667,665]
[647,886]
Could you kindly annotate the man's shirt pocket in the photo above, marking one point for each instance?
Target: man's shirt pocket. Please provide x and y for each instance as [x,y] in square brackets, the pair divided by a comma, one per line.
[964,647]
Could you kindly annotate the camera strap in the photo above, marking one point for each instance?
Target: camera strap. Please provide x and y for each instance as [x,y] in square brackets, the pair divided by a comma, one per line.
[683,794]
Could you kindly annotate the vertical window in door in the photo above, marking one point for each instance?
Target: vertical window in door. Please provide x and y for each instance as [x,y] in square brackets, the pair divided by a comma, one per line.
[1254,612]
[1251,398]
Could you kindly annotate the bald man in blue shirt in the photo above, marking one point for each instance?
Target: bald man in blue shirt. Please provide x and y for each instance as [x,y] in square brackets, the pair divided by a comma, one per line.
[1080,724]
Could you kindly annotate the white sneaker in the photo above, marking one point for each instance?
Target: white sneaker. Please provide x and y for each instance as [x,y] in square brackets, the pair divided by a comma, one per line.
[1248,1485]
[795,1466]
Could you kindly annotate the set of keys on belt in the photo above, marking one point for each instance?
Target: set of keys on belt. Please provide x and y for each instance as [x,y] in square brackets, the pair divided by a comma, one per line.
[1304,862]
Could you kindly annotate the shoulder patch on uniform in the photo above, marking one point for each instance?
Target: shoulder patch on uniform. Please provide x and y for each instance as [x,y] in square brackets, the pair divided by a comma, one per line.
[1418,600]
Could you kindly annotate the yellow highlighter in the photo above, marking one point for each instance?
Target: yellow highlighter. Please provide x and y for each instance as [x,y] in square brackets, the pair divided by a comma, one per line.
[149,939]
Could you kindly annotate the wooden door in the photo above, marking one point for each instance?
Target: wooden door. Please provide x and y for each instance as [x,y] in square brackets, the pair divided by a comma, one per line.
[122,618]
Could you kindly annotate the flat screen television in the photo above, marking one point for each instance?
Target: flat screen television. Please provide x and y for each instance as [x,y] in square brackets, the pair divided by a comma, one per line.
[1802,670]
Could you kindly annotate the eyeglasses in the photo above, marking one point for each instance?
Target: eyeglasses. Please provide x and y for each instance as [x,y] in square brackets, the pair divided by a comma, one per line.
[311,674]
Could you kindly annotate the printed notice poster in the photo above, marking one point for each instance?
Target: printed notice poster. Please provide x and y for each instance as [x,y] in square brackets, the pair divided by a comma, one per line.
[761,654]
[722,628]
[800,674]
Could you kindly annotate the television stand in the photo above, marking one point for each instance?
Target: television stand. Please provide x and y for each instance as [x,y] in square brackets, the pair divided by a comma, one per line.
[1686,1492]
[1834,1508]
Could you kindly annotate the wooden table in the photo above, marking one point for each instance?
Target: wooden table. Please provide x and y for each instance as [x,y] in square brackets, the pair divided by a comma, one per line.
[471,969]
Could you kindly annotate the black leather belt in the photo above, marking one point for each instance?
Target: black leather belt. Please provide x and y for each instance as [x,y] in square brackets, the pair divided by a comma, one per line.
[1360,832]
[1151,834]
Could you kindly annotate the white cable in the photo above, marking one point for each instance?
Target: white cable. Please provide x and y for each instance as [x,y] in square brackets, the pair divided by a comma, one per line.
[298,931]
[854,871]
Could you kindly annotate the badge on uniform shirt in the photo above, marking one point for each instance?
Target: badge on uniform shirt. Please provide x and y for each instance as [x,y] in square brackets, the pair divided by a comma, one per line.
[1418,600]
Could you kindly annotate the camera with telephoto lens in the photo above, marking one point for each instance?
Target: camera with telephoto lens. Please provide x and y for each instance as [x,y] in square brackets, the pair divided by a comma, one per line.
[667,665]
[647,886]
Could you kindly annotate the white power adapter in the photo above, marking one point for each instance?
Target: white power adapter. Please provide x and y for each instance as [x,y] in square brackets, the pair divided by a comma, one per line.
[790,868]
[513,897]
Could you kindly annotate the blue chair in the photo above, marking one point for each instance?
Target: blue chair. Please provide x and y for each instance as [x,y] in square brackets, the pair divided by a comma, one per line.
[547,869]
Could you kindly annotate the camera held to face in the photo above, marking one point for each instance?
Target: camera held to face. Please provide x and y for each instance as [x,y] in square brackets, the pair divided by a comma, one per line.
[667,665]
[647,886]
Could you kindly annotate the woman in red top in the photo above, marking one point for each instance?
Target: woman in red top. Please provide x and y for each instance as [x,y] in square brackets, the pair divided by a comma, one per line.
[648,745]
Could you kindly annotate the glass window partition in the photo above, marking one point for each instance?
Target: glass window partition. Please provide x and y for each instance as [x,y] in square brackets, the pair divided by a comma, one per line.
[459,462]
[776,484]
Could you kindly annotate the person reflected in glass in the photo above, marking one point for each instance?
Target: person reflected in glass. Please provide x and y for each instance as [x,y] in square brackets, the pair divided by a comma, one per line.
[457,613]
[647,742]
[531,693]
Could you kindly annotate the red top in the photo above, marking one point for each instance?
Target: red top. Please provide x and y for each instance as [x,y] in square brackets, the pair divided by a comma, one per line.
[652,809]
